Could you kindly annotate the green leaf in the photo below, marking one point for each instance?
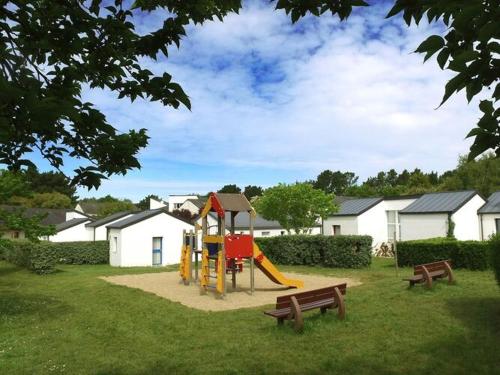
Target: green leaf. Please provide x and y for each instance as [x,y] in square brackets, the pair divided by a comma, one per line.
[430,46]
[472,89]
[486,107]
[454,85]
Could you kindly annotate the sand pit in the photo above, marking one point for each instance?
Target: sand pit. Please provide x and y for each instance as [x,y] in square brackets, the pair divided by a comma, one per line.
[168,285]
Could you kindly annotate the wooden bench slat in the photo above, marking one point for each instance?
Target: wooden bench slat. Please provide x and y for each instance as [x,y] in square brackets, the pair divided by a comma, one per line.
[291,306]
[429,272]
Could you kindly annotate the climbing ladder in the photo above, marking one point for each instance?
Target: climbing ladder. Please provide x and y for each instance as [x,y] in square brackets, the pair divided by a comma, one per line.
[212,267]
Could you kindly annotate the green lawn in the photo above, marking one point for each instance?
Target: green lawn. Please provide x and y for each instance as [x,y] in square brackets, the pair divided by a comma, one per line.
[72,322]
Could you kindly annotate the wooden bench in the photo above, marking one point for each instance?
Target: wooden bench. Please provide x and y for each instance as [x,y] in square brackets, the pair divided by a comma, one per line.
[290,307]
[426,273]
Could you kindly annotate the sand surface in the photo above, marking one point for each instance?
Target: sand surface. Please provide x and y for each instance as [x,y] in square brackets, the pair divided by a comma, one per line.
[169,285]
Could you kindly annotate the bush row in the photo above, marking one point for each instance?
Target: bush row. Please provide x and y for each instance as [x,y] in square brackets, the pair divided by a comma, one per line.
[41,257]
[38,257]
[82,252]
[474,255]
[495,255]
[328,251]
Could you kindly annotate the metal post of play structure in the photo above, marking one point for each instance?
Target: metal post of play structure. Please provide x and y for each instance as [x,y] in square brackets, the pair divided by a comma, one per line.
[395,248]
[252,275]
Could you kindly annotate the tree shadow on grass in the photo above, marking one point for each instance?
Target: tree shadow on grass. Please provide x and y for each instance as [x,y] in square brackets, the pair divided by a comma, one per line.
[480,314]
[13,303]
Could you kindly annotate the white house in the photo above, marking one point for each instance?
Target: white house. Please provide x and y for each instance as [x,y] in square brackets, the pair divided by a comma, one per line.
[489,216]
[193,205]
[148,238]
[176,201]
[376,217]
[72,230]
[432,215]
[155,203]
[261,226]
[98,230]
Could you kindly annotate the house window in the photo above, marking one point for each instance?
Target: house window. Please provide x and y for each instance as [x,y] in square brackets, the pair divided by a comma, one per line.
[282,232]
[497,222]
[393,226]
[114,246]
[336,230]
[157,251]
[266,233]
[15,234]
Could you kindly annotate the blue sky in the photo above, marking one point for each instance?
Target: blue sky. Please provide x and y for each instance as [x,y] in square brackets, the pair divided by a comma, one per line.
[275,102]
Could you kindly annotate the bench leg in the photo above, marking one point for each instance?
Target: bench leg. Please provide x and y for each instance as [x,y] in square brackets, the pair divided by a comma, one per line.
[323,309]
[298,322]
[427,277]
[281,321]
[449,273]
[339,298]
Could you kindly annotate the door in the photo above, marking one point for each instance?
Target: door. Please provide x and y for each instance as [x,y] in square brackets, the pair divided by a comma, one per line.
[157,250]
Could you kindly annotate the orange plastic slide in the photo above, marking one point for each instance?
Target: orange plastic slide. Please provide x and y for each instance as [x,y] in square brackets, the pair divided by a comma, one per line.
[271,271]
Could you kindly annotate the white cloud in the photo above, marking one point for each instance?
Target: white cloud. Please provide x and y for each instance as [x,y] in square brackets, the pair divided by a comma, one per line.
[321,94]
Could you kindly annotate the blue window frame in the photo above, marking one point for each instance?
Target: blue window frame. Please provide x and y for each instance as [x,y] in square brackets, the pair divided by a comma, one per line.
[157,251]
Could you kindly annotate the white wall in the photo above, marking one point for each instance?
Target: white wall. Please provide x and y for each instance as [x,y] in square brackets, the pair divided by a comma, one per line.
[489,225]
[115,245]
[154,204]
[397,204]
[100,233]
[422,226]
[190,206]
[74,215]
[76,233]
[348,225]
[135,246]
[374,223]
[175,201]
[466,220]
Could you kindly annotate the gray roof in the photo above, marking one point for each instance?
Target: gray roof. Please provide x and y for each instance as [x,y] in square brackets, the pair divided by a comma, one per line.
[138,217]
[53,216]
[447,202]
[354,207]
[492,205]
[108,219]
[71,223]
[242,221]
[200,203]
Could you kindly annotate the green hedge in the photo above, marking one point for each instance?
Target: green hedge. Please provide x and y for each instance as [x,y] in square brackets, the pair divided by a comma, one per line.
[82,252]
[495,255]
[38,257]
[328,251]
[473,255]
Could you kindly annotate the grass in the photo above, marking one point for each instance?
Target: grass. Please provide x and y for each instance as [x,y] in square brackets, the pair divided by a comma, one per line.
[72,322]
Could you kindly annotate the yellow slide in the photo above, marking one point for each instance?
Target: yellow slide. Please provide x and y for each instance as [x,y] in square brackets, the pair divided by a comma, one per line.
[271,271]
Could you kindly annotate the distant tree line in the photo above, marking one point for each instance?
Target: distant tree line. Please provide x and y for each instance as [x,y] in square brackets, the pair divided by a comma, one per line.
[482,175]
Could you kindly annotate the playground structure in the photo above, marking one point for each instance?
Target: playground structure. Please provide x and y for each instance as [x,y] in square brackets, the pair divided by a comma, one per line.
[223,254]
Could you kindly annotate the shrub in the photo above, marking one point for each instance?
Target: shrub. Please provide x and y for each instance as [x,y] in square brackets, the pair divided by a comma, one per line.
[38,257]
[328,251]
[463,254]
[495,255]
[82,252]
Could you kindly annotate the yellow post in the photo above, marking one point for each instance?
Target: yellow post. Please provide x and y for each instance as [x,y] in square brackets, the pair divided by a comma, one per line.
[220,273]
[204,269]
